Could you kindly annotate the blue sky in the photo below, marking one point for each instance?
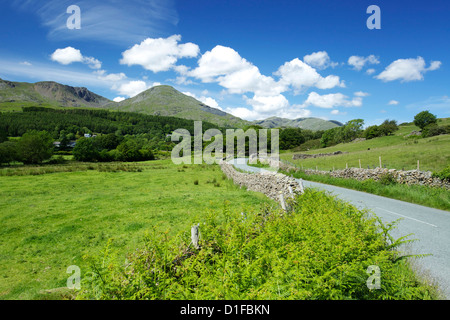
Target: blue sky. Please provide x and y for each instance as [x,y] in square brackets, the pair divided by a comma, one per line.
[251,58]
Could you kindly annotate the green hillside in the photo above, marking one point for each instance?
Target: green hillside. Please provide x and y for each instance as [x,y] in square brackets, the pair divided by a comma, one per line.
[14,95]
[396,151]
[167,101]
[313,124]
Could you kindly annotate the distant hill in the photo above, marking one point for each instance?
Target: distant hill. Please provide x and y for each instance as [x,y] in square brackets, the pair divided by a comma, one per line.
[160,100]
[48,93]
[167,101]
[313,124]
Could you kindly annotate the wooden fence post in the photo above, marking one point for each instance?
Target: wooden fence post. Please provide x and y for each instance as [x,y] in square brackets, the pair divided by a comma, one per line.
[195,235]
[418,167]
[282,202]
[380,161]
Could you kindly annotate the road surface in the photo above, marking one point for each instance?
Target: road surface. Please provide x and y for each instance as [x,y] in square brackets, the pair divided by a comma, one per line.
[430,227]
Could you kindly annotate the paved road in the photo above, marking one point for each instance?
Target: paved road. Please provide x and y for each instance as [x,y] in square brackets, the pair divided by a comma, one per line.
[431,227]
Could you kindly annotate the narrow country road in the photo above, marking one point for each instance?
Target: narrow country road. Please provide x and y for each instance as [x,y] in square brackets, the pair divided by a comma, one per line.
[430,227]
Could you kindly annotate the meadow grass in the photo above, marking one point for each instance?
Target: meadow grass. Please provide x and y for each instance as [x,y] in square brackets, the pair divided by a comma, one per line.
[396,152]
[51,220]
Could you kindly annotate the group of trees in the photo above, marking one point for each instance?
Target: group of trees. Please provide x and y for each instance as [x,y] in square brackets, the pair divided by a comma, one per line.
[110,147]
[77,122]
[33,147]
[124,136]
[385,129]
[350,131]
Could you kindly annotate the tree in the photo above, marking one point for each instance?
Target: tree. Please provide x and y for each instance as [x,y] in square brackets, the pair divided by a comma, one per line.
[352,130]
[85,150]
[290,138]
[8,152]
[388,127]
[424,118]
[35,147]
[372,132]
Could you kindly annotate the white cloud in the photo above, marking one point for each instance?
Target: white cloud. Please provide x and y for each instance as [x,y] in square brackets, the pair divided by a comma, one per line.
[132,88]
[319,60]
[118,99]
[361,94]
[112,21]
[359,62]
[225,66]
[337,112]
[159,54]
[70,55]
[300,76]
[393,102]
[211,102]
[332,100]
[243,113]
[407,70]
[110,77]
[26,63]
[67,55]
[268,104]
[370,71]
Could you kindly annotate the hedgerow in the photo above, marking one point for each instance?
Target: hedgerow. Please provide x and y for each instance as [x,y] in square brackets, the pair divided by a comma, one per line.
[320,249]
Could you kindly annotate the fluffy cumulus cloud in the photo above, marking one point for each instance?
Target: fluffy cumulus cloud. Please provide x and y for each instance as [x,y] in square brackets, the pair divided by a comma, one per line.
[300,76]
[132,88]
[160,54]
[118,99]
[407,70]
[358,62]
[70,55]
[226,67]
[319,60]
[332,100]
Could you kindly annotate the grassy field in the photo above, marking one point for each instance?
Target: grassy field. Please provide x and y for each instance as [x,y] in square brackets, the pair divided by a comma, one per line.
[396,152]
[51,220]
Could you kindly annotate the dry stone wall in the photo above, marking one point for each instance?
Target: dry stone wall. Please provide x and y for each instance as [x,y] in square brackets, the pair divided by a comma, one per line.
[406,177]
[269,183]
[317,155]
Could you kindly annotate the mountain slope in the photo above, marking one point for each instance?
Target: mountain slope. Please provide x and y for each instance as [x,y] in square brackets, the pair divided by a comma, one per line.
[48,93]
[166,101]
[313,124]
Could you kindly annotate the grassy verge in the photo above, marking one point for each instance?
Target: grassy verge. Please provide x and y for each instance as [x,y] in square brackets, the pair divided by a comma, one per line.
[396,152]
[438,198]
[322,249]
[49,221]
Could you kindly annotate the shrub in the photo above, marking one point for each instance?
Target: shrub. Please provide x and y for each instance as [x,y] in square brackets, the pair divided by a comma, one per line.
[444,174]
[432,130]
[320,250]
[387,179]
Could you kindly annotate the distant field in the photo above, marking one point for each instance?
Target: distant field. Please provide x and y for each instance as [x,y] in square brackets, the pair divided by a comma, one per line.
[50,221]
[396,151]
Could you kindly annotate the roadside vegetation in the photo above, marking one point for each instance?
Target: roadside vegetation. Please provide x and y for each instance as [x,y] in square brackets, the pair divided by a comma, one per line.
[438,198]
[321,250]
